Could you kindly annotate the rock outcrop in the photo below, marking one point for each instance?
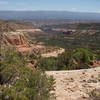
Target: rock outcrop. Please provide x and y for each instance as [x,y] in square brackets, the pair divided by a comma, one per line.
[14,38]
[17,39]
[75,84]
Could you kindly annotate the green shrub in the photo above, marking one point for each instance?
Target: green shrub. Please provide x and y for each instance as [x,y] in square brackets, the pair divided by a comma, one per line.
[71,59]
[48,63]
[18,82]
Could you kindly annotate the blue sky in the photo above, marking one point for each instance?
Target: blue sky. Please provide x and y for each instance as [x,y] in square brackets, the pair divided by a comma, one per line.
[66,5]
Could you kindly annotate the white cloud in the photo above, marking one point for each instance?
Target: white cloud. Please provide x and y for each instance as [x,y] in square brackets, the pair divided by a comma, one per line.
[74,9]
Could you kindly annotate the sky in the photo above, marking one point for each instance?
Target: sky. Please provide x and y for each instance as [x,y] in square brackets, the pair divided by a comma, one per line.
[56,5]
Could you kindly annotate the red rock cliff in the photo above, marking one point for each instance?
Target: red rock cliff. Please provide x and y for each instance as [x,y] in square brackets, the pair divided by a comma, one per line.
[14,38]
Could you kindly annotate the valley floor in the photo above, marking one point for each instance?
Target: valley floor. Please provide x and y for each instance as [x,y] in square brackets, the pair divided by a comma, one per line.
[75,84]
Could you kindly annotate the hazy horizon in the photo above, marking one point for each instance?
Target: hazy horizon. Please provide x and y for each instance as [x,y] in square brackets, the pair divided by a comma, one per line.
[90,6]
[48,11]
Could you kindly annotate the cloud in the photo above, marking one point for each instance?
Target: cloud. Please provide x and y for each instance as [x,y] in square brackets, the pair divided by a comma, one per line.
[74,9]
[3,2]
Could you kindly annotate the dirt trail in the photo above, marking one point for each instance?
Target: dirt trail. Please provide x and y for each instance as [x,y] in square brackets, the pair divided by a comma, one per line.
[30,30]
[75,84]
[54,53]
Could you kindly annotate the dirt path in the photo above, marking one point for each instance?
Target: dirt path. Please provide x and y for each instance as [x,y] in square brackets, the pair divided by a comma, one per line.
[54,53]
[30,30]
[74,85]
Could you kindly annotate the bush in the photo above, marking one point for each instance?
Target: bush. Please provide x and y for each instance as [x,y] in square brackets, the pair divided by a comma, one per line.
[48,63]
[18,82]
[71,59]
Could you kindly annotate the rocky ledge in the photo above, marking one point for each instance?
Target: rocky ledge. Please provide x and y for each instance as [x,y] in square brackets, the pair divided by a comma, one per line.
[75,84]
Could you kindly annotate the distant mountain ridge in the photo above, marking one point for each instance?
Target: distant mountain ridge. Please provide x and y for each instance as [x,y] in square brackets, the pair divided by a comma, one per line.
[36,15]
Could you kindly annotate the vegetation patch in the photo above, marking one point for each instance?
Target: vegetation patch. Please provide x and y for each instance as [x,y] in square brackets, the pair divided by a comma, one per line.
[18,82]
